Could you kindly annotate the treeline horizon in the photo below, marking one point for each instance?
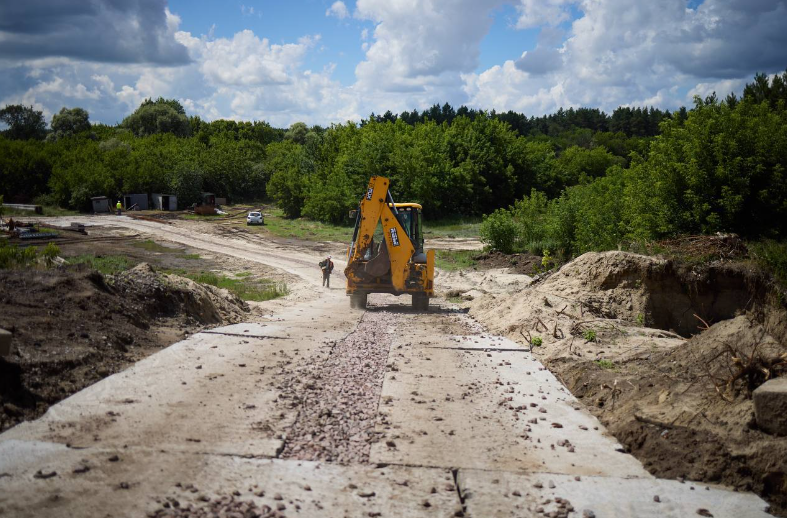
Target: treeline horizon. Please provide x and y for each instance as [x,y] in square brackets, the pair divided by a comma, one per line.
[455,162]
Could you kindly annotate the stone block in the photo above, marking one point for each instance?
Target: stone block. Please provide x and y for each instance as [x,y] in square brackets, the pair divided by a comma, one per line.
[770,406]
[5,342]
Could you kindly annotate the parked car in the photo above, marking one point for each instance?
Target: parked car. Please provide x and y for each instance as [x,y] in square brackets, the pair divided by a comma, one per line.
[255,218]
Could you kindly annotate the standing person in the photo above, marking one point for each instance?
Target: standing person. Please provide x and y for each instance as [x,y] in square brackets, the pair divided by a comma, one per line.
[119,207]
[327,267]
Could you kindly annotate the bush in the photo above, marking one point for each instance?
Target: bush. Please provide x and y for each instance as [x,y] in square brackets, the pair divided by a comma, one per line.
[772,255]
[499,231]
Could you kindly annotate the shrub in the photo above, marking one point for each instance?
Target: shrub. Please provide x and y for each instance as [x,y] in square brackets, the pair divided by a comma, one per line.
[499,231]
[589,335]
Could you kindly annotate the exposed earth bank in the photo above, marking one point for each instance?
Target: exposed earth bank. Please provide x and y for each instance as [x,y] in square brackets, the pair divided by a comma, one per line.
[666,355]
[72,326]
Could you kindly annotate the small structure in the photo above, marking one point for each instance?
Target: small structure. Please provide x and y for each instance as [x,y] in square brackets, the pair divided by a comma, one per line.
[100,204]
[135,201]
[165,202]
[221,201]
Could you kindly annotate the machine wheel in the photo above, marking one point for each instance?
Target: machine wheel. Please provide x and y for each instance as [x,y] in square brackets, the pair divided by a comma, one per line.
[358,300]
[420,302]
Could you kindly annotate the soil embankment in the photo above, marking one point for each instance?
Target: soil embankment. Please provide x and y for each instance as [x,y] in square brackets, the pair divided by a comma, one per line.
[73,326]
[664,354]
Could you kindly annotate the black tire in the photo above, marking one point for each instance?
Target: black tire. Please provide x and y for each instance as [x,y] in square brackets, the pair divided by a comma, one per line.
[358,300]
[420,302]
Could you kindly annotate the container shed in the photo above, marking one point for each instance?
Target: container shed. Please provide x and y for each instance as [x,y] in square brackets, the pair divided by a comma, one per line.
[100,204]
[135,201]
[165,202]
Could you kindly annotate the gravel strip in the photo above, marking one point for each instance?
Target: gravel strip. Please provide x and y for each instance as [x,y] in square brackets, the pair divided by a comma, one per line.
[339,398]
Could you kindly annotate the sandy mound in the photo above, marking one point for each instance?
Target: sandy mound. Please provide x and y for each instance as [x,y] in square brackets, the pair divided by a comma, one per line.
[665,355]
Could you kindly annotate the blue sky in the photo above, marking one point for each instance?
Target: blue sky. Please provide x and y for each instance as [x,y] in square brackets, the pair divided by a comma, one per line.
[325,61]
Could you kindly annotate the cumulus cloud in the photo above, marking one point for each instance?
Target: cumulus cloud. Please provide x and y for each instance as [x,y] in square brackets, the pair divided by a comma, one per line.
[620,52]
[600,53]
[338,9]
[129,31]
[422,46]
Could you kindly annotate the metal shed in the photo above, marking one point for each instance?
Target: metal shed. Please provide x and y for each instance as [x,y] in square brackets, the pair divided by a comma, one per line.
[135,201]
[100,204]
[165,202]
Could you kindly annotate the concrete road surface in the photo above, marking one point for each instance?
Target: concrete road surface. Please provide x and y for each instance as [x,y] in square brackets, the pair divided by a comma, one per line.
[320,410]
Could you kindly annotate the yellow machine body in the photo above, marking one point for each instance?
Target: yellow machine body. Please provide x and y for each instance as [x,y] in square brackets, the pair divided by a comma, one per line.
[398,265]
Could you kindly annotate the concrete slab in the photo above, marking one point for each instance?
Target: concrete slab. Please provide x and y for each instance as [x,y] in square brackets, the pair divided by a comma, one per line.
[207,396]
[510,495]
[770,406]
[484,409]
[131,484]
[215,392]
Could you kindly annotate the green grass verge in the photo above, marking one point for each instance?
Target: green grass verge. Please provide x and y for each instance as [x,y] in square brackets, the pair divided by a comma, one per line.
[106,264]
[772,256]
[49,211]
[455,259]
[466,227]
[300,228]
[247,289]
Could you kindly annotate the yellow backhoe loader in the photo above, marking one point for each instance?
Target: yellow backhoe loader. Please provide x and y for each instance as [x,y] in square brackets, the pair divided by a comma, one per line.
[395,264]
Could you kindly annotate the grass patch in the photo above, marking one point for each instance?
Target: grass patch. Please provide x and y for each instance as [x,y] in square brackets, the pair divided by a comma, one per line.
[771,256]
[606,364]
[49,211]
[455,259]
[302,228]
[191,257]
[456,299]
[204,217]
[247,289]
[106,264]
[467,227]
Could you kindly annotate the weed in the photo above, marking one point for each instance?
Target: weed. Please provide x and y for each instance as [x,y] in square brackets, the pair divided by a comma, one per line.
[246,289]
[456,299]
[536,341]
[191,257]
[106,264]
[640,319]
[589,335]
[606,364]
[49,253]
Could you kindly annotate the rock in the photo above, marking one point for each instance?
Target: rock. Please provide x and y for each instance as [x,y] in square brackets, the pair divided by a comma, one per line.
[704,512]
[770,406]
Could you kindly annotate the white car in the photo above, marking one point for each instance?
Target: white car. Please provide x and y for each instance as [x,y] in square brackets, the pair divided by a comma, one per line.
[255,218]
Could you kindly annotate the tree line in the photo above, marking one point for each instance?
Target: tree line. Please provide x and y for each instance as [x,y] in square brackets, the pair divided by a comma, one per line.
[572,181]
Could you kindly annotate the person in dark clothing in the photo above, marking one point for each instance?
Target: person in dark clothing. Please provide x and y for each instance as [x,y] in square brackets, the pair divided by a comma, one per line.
[327,267]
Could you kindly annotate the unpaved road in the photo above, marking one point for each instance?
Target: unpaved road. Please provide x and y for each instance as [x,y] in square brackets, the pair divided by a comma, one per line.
[319,410]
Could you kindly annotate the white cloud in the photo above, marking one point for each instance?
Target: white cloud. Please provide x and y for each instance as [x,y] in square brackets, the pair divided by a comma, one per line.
[418,53]
[620,52]
[537,13]
[338,9]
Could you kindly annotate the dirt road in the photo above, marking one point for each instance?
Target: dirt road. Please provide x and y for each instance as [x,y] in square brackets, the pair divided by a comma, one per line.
[319,410]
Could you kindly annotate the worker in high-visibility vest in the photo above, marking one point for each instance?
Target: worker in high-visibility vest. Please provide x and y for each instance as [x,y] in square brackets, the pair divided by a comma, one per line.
[119,207]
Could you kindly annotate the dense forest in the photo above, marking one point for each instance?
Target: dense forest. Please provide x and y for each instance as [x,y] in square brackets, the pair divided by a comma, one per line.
[572,181]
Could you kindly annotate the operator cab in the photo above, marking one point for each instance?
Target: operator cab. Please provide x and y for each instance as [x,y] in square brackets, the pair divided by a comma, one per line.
[409,215]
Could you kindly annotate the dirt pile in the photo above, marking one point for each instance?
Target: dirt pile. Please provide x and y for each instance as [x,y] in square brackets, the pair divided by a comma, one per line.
[72,327]
[666,355]
[162,295]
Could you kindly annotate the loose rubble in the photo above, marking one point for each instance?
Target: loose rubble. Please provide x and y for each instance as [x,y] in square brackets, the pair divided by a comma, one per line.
[338,399]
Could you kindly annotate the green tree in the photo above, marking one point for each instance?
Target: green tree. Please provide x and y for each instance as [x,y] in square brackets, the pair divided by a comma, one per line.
[159,116]
[24,122]
[69,122]
[287,185]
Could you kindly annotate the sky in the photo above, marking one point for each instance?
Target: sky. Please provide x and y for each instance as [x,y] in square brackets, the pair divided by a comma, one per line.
[325,61]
